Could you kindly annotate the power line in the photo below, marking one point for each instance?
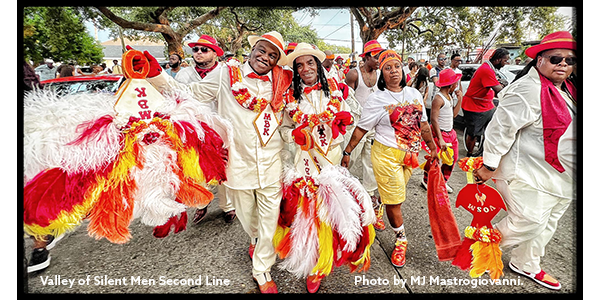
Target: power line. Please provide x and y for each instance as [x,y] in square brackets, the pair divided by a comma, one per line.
[336,30]
[325,24]
[337,40]
[303,16]
[329,20]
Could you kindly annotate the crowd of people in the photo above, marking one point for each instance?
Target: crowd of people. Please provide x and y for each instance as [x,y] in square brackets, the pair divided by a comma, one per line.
[318,139]
[47,70]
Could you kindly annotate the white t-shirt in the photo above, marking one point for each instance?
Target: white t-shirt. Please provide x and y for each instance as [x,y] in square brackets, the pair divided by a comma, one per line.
[405,107]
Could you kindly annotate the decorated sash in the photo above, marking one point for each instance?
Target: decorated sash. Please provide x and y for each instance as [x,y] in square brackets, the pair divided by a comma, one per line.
[267,122]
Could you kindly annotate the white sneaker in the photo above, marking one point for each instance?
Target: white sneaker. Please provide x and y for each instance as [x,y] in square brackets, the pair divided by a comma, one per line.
[449,189]
[54,241]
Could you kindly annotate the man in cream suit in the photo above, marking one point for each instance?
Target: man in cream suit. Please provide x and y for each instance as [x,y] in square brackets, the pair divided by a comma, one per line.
[254,167]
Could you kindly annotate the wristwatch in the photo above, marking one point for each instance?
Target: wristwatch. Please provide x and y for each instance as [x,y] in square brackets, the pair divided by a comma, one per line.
[489,168]
[346,153]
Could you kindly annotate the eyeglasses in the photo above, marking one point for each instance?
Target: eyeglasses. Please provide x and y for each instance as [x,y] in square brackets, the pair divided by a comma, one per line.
[203,49]
[555,59]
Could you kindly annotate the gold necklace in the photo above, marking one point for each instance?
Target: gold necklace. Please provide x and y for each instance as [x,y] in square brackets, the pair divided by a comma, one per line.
[311,103]
[368,84]
[401,91]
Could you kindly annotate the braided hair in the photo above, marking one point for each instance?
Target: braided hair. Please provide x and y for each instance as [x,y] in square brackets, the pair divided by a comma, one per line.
[320,78]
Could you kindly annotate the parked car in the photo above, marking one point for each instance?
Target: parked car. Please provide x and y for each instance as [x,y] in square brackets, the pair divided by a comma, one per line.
[508,72]
[87,83]
[512,70]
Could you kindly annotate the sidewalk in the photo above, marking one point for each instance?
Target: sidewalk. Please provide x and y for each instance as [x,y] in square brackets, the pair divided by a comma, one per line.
[212,257]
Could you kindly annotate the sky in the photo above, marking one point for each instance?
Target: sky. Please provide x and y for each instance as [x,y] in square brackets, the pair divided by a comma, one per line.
[332,25]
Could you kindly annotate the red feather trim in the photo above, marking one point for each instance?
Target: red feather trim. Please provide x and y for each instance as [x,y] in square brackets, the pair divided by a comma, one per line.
[212,156]
[360,248]
[285,245]
[91,128]
[463,256]
[337,254]
[179,225]
[162,231]
[182,222]
[187,133]
[42,197]
[52,192]
[289,205]
[345,256]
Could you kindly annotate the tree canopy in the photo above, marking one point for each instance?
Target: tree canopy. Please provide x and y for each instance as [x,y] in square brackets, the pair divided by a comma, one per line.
[438,28]
[173,23]
[57,33]
[230,26]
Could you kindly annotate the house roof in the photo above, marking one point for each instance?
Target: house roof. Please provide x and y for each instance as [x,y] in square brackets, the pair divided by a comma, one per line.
[114,50]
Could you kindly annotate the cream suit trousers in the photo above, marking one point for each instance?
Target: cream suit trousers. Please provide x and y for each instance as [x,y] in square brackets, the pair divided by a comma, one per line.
[530,224]
[258,211]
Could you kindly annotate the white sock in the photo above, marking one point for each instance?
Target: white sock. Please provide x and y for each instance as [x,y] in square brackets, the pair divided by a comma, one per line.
[400,232]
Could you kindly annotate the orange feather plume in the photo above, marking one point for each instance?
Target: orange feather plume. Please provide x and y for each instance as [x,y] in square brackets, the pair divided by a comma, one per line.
[486,257]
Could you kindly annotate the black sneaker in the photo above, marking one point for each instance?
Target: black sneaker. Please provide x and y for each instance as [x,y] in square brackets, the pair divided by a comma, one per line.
[40,259]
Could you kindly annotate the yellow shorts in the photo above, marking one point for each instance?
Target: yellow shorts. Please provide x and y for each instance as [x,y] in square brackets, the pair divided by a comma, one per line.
[390,173]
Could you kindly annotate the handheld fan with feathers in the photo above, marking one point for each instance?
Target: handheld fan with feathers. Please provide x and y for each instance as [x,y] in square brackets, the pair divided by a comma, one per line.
[111,159]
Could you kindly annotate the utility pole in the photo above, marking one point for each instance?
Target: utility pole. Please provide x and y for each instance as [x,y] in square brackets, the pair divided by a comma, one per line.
[352,35]
[403,37]
[123,49]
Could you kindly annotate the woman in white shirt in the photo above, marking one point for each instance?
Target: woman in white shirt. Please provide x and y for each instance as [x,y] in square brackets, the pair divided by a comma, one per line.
[397,114]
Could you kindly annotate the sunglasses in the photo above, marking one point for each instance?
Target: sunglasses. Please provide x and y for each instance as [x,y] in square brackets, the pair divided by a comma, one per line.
[555,59]
[203,49]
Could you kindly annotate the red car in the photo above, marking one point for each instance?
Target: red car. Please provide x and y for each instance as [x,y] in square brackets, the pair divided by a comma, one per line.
[81,84]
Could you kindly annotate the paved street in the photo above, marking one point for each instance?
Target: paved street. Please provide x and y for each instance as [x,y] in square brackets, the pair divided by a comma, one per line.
[212,257]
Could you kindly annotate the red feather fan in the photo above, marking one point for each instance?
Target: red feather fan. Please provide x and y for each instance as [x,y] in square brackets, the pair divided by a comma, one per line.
[213,155]
[50,193]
